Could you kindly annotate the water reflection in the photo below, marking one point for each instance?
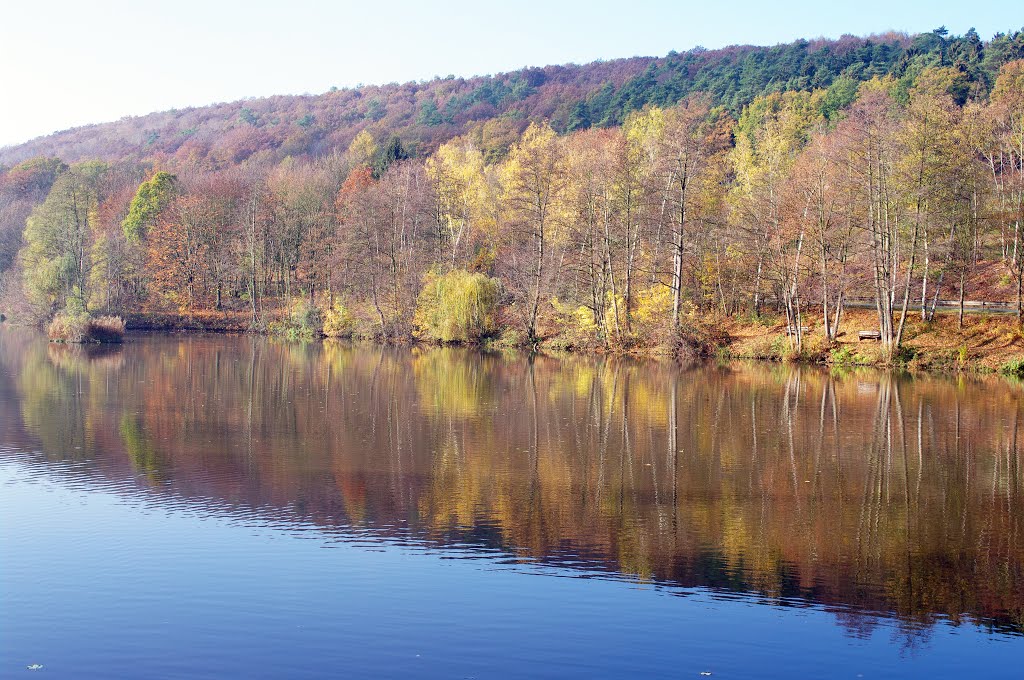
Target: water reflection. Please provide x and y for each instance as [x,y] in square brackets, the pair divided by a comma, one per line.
[865,493]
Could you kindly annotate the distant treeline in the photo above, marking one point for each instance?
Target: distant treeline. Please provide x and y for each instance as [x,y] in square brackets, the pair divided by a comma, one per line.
[495,110]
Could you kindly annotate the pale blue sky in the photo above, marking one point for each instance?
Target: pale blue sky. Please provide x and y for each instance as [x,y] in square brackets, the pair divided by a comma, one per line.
[65,63]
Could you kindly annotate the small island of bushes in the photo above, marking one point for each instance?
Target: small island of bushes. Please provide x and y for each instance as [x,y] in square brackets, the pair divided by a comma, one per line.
[74,324]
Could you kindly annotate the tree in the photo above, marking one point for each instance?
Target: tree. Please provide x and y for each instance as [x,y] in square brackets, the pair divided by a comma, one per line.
[770,133]
[390,153]
[21,188]
[383,225]
[819,189]
[694,135]
[534,179]
[925,142]
[867,137]
[1007,163]
[458,306]
[57,257]
[152,197]
[458,175]
[177,251]
[361,151]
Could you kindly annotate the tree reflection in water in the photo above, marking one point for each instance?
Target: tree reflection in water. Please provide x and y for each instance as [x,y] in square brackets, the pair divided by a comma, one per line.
[867,493]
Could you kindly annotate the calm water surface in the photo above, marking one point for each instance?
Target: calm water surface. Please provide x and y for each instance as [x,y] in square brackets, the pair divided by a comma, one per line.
[214,507]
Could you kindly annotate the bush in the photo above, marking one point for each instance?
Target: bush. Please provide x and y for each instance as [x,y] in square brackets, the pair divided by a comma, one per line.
[75,325]
[652,316]
[457,307]
[510,338]
[1014,367]
[768,348]
[302,324]
[576,326]
[904,355]
[842,356]
[339,322]
[107,329]
[699,338]
[816,349]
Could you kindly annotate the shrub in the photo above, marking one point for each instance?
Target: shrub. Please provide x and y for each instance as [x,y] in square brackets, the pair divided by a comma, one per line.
[697,337]
[768,348]
[457,307]
[339,322]
[510,338]
[904,355]
[302,323]
[652,316]
[842,356]
[67,328]
[1014,367]
[75,325]
[577,326]
[107,329]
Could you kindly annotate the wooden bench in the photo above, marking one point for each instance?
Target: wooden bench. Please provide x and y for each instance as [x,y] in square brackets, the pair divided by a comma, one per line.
[869,335]
[791,330]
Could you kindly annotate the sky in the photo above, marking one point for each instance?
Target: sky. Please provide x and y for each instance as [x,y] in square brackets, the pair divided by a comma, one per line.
[66,63]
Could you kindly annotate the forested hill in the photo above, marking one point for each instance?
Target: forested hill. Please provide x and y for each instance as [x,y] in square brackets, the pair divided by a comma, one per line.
[496,109]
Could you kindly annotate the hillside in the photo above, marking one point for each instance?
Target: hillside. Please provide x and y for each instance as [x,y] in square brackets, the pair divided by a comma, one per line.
[633,205]
[496,109]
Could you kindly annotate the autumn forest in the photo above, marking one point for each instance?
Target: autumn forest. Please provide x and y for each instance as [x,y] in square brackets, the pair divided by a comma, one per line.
[622,205]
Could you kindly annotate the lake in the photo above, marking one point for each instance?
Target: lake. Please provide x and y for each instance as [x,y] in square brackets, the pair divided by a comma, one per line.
[216,506]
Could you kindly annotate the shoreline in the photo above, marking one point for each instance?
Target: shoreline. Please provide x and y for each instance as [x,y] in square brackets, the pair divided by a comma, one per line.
[985,344]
